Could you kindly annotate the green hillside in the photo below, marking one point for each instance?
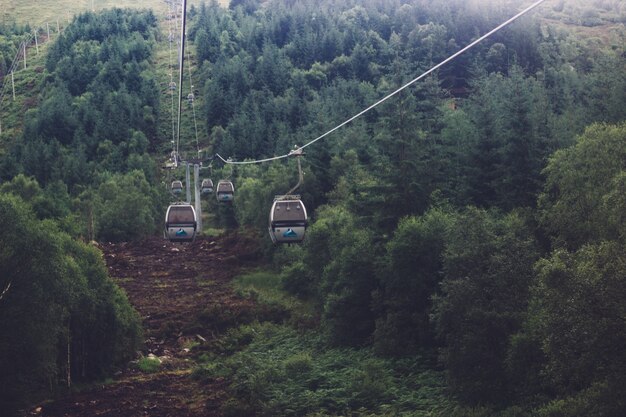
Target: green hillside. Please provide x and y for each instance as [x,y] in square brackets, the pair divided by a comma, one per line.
[35,12]
[465,246]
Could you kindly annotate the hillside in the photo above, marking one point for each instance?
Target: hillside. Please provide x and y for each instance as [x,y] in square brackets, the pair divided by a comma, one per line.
[465,243]
[185,299]
[37,12]
[600,22]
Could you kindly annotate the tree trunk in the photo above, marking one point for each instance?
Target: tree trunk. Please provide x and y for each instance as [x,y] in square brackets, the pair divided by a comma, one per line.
[69,357]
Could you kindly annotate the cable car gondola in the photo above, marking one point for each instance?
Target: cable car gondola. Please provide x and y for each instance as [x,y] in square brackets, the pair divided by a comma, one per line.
[180,223]
[177,187]
[288,220]
[225,191]
[207,186]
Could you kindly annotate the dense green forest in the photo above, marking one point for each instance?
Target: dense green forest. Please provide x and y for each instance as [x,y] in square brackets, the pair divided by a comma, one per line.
[465,254]
[88,137]
[477,215]
[10,37]
[67,179]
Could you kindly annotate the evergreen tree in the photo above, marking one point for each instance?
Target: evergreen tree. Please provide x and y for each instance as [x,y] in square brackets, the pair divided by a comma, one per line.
[55,298]
[487,264]
[409,278]
[580,181]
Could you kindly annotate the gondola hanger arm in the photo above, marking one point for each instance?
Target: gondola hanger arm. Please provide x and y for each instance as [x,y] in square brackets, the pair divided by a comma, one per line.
[297,152]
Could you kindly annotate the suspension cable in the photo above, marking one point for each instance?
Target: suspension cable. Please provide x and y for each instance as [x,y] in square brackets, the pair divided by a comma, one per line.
[170,39]
[193,107]
[181,63]
[387,97]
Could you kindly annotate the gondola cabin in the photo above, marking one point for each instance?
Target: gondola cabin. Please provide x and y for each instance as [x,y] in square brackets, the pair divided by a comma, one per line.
[288,221]
[172,86]
[207,186]
[180,223]
[190,98]
[177,187]
[225,191]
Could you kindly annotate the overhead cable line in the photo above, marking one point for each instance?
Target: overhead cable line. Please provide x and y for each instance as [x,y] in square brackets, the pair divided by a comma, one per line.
[170,39]
[387,97]
[181,63]
[193,107]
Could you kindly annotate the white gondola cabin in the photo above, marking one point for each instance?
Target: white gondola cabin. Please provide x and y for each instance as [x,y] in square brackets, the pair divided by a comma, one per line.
[207,186]
[180,223]
[172,86]
[177,187]
[288,221]
[225,191]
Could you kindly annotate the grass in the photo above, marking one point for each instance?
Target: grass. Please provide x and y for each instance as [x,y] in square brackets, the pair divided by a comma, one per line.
[27,81]
[280,371]
[205,283]
[209,220]
[211,231]
[38,12]
[210,227]
[265,281]
[266,287]
[285,369]
[149,365]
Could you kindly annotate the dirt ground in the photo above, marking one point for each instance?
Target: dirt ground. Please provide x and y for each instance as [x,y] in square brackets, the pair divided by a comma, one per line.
[184,297]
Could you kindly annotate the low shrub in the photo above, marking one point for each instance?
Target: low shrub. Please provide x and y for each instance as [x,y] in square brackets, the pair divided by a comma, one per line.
[149,365]
[286,372]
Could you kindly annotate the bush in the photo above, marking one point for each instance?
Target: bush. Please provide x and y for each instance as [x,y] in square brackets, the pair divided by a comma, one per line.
[370,385]
[55,293]
[410,277]
[298,365]
[286,373]
[127,208]
[488,264]
[149,365]
[598,401]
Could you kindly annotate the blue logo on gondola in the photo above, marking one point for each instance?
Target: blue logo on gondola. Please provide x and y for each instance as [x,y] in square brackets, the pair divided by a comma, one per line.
[181,232]
[290,233]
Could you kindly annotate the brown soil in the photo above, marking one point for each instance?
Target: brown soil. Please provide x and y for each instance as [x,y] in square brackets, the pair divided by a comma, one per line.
[184,297]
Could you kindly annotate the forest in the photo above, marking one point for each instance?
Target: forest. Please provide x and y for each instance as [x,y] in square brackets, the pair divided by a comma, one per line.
[466,247]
